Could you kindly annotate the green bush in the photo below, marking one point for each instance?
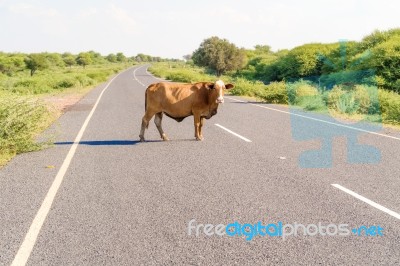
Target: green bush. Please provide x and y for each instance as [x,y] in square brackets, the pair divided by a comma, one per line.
[362,99]
[184,76]
[98,76]
[246,87]
[84,80]
[67,82]
[275,92]
[28,83]
[300,91]
[390,106]
[334,96]
[21,119]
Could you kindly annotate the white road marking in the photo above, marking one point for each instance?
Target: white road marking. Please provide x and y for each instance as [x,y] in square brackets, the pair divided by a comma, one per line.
[370,202]
[135,78]
[27,245]
[236,100]
[316,119]
[233,133]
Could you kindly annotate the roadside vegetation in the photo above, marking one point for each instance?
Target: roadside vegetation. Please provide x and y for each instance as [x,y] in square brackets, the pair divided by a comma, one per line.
[354,80]
[28,81]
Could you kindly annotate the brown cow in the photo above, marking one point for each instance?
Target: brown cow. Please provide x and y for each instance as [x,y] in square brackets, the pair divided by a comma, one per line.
[180,100]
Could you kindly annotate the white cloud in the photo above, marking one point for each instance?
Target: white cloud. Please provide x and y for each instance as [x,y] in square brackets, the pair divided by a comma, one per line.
[30,10]
[228,15]
[87,12]
[123,20]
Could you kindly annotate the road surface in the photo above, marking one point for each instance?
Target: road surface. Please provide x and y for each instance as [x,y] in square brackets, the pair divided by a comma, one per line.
[111,200]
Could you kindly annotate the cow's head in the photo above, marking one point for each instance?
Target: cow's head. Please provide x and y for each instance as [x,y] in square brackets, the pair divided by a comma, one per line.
[217,91]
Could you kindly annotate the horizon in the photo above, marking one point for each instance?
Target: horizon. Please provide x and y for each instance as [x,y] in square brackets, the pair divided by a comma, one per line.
[131,28]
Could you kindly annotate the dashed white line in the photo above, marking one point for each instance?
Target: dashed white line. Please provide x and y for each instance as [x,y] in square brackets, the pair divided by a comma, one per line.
[233,133]
[370,202]
[135,78]
[27,245]
[316,119]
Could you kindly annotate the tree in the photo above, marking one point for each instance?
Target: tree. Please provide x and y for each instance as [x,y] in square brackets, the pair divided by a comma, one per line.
[385,59]
[219,55]
[9,63]
[69,59]
[36,62]
[96,58]
[187,57]
[111,58]
[121,57]
[55,59]
[84,59]
[143,58]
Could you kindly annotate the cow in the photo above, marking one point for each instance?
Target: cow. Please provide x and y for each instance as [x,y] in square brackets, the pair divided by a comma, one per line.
[180,100]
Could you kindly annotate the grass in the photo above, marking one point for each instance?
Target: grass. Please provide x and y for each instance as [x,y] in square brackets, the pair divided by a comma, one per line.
[24,113]
[357,102]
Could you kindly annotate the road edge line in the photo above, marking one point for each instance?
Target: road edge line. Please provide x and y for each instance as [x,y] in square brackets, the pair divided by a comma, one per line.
[316,119]
[31,236]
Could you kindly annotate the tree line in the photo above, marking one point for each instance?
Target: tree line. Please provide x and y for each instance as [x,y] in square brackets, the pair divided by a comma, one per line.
[10,63]
[374,59]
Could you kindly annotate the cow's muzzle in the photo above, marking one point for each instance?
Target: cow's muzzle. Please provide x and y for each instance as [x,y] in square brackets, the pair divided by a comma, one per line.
[220,100]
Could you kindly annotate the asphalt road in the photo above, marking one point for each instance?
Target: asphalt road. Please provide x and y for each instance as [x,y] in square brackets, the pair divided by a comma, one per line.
[122,202]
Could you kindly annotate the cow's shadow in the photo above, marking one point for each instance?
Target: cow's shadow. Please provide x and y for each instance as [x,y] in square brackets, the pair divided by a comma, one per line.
[101,142]
[117,142]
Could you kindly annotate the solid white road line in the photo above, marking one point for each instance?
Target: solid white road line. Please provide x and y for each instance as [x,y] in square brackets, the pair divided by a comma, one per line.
[316,119]
[370,202]
[27,245]
[233,133]
[135,78]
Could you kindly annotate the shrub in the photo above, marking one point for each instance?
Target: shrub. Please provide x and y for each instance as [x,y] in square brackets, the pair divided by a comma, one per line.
[333,97]
[314,103]
[67,82]
[275,92]
[299,91]
[390,106]
[98,76]
[249,88]
[183,76]
[21,119]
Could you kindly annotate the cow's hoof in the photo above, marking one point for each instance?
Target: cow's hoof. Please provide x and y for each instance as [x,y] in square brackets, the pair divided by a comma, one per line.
[142,139]
[199,138]
[164,137]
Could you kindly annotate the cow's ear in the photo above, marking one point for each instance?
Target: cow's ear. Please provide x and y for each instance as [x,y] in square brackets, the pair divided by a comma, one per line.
[210,86]
[229,86]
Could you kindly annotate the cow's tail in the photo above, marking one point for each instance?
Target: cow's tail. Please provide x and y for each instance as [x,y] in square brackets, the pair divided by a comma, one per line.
[145,104]
[145,101]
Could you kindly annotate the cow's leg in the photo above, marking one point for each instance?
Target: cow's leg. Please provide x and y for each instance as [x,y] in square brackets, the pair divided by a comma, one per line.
[145,123]
[157,121]
[197,120]
[201,127]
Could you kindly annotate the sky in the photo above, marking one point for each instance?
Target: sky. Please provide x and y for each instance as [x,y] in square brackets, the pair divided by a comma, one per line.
[174,28]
